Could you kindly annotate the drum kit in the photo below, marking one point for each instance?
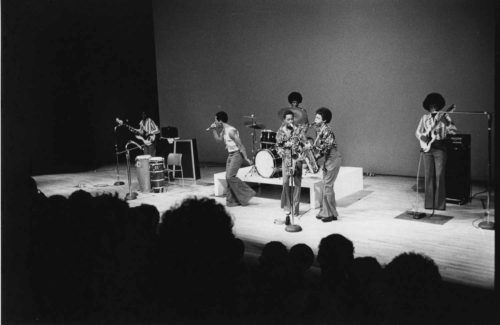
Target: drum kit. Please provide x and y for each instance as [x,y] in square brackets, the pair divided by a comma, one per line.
[267,162]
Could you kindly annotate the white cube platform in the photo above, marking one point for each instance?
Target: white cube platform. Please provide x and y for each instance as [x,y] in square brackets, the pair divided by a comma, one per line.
[349,181]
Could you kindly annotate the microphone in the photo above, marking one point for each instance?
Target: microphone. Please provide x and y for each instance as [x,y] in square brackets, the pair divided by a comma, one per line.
[210,127]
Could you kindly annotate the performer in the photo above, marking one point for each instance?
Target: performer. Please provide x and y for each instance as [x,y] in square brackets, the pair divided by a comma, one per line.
[300,113]
[432,129]
[289,139]
[148,129]
[325,146]
[238,192]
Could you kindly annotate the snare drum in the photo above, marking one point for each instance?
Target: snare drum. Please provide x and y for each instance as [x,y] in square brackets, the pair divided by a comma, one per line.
[267,139]
[268,163]
[157,174]
[142,168]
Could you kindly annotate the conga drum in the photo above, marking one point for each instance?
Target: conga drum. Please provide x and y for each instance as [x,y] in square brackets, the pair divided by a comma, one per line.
[157,174]
[142,168]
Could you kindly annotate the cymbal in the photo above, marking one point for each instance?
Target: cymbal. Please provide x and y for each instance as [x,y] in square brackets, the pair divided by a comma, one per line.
[249,116]
[298,113]
[256,126]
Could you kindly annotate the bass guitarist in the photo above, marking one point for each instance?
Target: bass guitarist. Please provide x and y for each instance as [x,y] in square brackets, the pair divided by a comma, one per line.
[432,130]
[146,132]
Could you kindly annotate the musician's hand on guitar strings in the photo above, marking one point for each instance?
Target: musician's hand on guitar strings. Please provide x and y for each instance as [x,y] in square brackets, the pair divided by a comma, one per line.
[425,138]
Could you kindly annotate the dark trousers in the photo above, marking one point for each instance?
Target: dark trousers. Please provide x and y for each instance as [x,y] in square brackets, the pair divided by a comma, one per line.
[237,190]
[435,190]
[331,170]
[150,150]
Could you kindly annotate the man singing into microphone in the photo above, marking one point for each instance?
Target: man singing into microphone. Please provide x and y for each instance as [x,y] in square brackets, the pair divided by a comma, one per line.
[238,192]
[288,140]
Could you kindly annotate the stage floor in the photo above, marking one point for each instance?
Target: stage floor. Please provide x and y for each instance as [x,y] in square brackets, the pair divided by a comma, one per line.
[463,251]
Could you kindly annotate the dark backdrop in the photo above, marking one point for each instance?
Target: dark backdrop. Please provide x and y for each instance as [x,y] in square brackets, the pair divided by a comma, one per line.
[69,68]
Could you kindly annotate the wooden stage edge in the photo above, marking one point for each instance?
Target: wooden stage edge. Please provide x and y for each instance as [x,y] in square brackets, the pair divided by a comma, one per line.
[462,250]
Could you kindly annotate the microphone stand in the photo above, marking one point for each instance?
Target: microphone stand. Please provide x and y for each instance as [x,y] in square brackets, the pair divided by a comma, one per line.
[292,227]
[118,181]
[130,195]
[488,224]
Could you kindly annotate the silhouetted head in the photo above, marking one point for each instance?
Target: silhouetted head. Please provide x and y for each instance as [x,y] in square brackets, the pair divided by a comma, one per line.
[336,253]
[302,256]
[274,253]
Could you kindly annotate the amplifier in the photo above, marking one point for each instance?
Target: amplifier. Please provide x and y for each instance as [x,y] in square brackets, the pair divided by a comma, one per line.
[169,132]
[458,169]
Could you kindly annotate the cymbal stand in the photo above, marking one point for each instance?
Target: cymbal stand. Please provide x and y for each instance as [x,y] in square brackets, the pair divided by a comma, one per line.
[253,170]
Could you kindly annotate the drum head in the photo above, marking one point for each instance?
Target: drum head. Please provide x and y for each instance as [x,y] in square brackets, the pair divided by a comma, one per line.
[157,159]
[143,157]
[265,163]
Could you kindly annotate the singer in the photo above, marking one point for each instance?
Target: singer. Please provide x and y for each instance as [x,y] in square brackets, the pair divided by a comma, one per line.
[238,192]
[433,128]
[288,141]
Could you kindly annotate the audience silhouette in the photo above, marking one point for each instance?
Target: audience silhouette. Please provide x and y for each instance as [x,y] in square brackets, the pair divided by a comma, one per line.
[94,259]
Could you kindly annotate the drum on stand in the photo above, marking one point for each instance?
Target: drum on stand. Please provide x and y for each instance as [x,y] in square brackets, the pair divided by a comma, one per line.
[267,139]
[268,163]
[142,168]
[157,174]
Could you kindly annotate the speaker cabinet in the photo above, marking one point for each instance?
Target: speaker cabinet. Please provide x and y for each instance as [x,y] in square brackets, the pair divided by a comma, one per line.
[458,169]
[169,132]
[190,163]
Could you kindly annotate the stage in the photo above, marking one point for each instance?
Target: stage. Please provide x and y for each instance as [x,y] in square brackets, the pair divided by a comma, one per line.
[463,251]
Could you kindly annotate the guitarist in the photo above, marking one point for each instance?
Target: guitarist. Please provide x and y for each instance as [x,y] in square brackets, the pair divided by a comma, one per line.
[433,128]
[148,129]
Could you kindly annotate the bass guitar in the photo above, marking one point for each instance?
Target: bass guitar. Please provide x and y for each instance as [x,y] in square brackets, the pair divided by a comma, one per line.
[147,139]
[431,135]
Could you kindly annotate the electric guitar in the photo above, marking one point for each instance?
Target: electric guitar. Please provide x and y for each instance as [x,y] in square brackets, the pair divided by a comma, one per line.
[147,139]
[431,135]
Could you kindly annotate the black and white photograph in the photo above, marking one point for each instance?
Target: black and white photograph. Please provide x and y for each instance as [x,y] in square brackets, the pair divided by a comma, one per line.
[248,161]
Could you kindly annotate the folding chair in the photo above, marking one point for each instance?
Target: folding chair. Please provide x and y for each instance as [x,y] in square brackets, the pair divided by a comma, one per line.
[174,160]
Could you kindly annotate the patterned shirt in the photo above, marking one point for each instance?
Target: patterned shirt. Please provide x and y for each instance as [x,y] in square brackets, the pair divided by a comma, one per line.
[148,127]
[325,140]
[440,131]
[295,136]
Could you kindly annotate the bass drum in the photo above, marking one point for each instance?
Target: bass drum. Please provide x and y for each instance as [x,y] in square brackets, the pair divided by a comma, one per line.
[268,163]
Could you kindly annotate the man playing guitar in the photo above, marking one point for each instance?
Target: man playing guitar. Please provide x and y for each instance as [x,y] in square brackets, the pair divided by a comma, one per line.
[432,130]
[146,132]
